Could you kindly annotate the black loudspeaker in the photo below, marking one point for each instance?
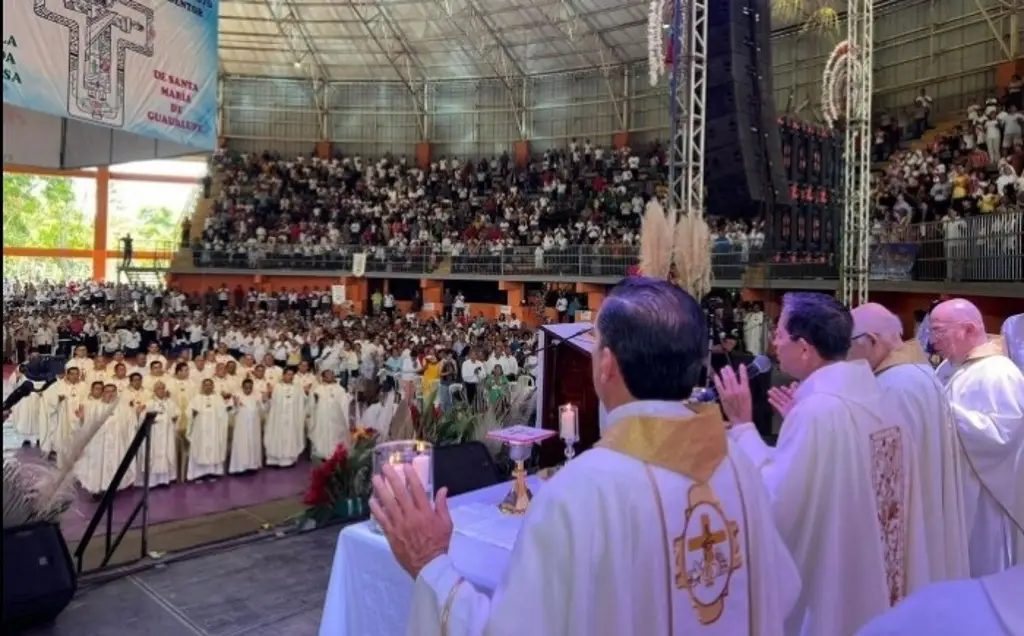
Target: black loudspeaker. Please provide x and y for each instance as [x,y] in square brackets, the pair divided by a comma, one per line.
[39,576]
[743,149]
[463,468]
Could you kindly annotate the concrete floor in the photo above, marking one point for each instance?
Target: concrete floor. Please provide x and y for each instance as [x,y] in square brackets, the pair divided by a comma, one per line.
[274,588]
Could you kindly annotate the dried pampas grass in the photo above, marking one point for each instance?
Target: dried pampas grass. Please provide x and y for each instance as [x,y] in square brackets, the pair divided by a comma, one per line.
[692,255]
[656,235]
[35,492]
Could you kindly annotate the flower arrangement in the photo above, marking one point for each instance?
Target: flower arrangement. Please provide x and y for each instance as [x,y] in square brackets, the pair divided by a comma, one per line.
[340,485]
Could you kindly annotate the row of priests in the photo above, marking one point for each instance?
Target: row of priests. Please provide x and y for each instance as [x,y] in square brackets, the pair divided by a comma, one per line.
[887,478]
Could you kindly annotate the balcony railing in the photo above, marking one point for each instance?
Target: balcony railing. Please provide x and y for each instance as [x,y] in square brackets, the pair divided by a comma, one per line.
[983,248]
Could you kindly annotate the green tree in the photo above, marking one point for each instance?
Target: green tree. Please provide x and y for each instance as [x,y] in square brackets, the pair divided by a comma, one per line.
[37,270]
[157,225]
[43,212]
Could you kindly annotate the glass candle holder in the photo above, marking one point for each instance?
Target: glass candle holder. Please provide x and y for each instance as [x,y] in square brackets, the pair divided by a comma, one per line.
[569,428]
[400,454]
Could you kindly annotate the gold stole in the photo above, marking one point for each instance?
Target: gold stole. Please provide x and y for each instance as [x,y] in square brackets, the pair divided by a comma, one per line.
[693,447]
[910,352]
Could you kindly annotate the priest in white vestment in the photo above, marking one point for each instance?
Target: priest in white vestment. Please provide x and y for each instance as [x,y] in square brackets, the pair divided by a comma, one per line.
[328,425]
[163,455]
[26,414]
[378,415]
[99,462]
[208,433]
[247,437]
[754,330]
[58,405]
[842,480]
[633,538]
[81,361]
[986,390]
[912,391]
[1013,339]
[284,437]
[989,606]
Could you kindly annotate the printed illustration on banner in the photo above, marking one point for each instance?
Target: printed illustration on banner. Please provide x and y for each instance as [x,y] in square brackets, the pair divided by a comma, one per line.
[109,28]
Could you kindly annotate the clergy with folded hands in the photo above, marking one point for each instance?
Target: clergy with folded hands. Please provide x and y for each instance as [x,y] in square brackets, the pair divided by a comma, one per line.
[662,529]
[913,393]
[842,479]
[986,390]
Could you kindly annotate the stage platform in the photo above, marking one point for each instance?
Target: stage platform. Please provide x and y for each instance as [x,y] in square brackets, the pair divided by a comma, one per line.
[272,588]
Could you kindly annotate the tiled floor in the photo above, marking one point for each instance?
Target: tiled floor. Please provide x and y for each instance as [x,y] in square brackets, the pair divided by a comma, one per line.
[275,588]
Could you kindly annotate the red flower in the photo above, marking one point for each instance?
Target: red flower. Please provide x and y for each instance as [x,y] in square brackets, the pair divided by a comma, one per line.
[634,270]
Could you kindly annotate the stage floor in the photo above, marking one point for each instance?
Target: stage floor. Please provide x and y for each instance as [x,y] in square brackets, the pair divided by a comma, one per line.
[179,502]
[272,588]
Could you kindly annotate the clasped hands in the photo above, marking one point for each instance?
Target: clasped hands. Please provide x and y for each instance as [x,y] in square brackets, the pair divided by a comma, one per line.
[416,532]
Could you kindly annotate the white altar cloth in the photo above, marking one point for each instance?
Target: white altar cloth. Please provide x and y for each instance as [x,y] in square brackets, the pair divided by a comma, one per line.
[369,594]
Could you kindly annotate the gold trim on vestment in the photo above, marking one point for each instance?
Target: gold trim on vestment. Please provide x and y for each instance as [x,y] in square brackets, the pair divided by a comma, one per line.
[910,352]
[994,347]
[447,611]
[690,446]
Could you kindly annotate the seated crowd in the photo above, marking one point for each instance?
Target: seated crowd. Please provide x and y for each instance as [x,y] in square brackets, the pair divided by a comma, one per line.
[281,369]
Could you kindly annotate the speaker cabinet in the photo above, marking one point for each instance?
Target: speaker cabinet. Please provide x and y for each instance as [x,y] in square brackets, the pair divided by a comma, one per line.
[743,149]
[39,576]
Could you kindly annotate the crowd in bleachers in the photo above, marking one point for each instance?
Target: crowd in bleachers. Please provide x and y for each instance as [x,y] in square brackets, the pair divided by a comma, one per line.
[486,216]
[977,168]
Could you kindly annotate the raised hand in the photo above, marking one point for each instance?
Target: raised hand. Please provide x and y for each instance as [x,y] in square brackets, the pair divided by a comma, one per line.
[734,395]
[782,398]
[416,532]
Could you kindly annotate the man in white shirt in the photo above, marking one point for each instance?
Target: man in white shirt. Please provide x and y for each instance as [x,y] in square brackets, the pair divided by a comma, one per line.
[629,538]
[841,460]
[473,372]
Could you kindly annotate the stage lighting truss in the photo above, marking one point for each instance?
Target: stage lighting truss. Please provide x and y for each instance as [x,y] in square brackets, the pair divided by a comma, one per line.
[687,97]
[847,93]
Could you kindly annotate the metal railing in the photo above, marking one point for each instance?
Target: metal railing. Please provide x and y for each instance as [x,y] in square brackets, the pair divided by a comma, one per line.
[983,248]
[105,511]
[155,254]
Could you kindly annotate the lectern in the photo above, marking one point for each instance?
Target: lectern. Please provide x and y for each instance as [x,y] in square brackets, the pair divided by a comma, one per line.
[565,377]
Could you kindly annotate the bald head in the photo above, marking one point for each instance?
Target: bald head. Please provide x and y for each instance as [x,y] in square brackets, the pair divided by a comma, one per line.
[958,310]
[875,319]
[957,329]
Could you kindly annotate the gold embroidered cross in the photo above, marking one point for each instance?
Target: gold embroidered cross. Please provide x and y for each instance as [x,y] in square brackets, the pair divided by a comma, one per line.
[706,543]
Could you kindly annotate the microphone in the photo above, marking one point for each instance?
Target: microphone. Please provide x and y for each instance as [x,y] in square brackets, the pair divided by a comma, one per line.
[761,365]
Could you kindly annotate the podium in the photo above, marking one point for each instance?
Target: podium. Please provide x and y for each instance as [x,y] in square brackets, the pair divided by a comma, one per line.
[566,376]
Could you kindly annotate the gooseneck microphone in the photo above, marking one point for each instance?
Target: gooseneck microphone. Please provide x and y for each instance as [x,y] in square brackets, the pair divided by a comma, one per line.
[762,364]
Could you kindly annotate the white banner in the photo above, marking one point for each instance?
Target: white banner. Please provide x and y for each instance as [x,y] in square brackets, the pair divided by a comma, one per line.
[359,264]
[338,295]
[428,306]
[584,316]
[505,309]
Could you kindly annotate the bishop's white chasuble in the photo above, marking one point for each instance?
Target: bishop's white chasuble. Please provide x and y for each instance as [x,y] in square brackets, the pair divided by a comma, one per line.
[663,530]
[987,394]
[913,392]
[842,483]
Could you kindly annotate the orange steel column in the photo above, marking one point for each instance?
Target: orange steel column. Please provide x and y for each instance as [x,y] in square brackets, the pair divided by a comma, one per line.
[99,232]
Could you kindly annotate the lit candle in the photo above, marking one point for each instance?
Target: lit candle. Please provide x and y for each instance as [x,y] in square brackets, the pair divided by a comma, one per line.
[421,466]
[395,461]
[567,422]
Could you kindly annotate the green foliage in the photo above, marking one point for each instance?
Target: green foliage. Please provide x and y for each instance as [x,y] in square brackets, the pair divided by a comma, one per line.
[442,428]
[44,212]
[148,224]
[55,270]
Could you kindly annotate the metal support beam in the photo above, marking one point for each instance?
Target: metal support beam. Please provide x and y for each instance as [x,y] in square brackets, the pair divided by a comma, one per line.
[480,36]
[688,93]
[997,33]
[393,44]
[855,272]
[304,56]
[566,19]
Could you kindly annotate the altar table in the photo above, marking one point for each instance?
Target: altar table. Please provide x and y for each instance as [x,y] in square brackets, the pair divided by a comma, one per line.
[370,595]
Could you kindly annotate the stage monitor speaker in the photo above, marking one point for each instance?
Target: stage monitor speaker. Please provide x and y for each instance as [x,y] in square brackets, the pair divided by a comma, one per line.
[463,468]
[742,146]
[39,576]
